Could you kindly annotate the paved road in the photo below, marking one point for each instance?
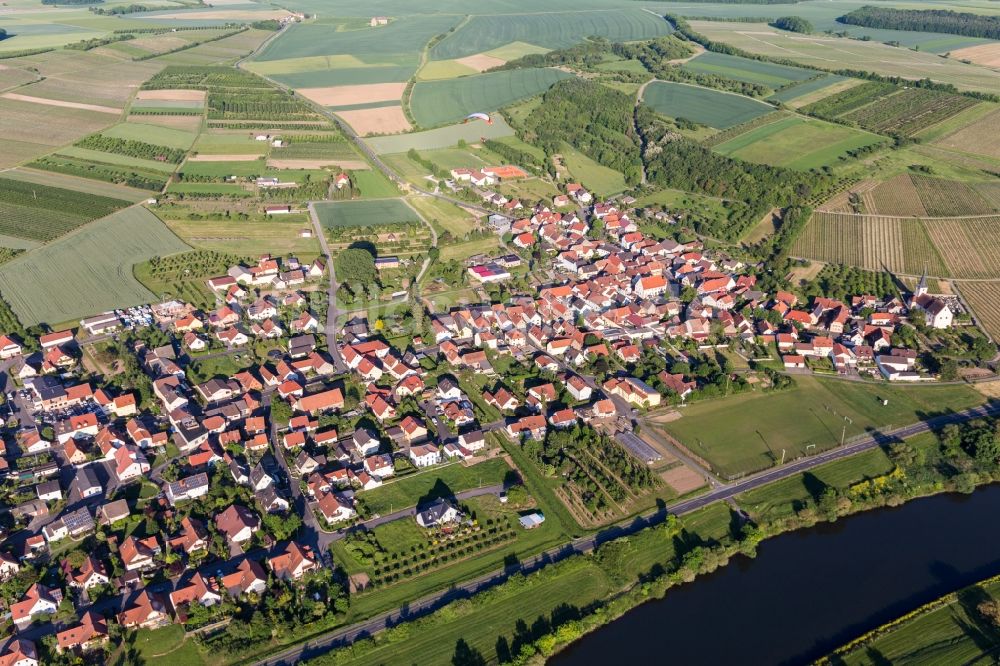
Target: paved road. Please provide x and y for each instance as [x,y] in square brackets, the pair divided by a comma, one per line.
[428,604]
[330,328]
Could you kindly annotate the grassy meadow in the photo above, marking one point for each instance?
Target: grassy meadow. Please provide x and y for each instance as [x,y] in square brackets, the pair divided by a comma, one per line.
[748,432]
[703,105]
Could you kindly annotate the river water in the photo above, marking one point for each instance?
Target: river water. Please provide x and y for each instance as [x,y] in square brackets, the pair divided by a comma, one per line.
[808,592]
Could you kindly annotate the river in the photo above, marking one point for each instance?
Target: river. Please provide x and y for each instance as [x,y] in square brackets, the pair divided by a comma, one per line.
[810,591]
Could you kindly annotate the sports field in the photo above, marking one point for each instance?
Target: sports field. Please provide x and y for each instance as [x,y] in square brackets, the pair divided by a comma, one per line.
[552,30]
[744,69]
[364,213]
[438,102]
[442,137]
[797,143]
[806,419]
[837,53]
[89,271]
[703,105]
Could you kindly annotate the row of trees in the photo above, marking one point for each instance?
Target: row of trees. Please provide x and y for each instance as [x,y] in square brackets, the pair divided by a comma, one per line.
[925,20]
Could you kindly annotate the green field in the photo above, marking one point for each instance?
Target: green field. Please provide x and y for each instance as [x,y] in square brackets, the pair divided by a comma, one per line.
[438,102]
[373,184]
[480,625]
[703,105]
[442,137]
[444,69]
[364,213]
[347,76]
[227,189]
[444,214]
[483,245]
[160,136]
[804,88]
[431,484]
[43,212]
[89,271]
[597,178]
[954,633]
[116,159]
[796,143]
[779,499]
[76,184]
[808,418]
[552,30]
[403,35]
[744,69]
[836,53]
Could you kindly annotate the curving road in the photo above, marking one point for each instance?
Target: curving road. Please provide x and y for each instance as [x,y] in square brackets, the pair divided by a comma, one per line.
[428,604]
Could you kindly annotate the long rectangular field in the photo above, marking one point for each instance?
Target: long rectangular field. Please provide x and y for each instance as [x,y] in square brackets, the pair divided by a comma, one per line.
[835,53]
[745,69]
[551,30]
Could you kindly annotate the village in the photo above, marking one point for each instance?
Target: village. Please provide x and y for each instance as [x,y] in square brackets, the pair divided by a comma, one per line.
[198,494]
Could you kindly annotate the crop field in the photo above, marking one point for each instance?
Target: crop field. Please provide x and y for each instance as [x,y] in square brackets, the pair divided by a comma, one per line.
[279,235]
[116,159]
[979,138]
[224,189]
[347,76]
[703,105]
[835,53]
[87,272]
[131,176]
[908,111]
[76,184]
[873,242]
[364,213]
[796,143]
[551,30]
[804,420]
[438,102]
[43,213]
[40,127]
[896,196]
[944,198]
[403,35]
[811,90]
[103,84]
[445,69]
[984,299]
[970,246]
[745,69]
[990,191]
[442,137]
[373,184]
[160,136]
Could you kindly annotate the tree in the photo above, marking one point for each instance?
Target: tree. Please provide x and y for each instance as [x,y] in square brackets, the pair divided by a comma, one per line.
[356,266]
[793,24]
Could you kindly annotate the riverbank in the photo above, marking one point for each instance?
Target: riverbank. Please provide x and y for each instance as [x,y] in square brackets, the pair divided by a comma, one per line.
[955,628]
[644,566]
